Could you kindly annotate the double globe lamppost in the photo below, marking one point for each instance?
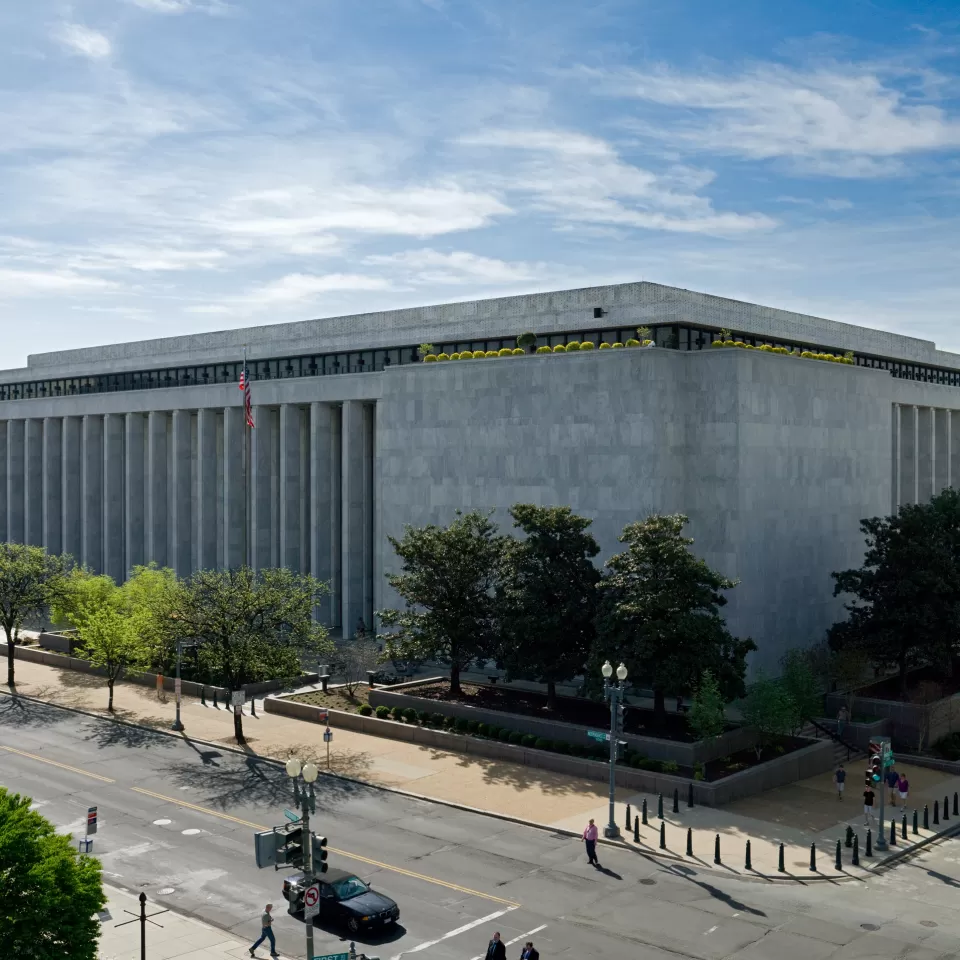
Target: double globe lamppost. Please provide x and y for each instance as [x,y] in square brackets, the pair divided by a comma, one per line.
[614,692]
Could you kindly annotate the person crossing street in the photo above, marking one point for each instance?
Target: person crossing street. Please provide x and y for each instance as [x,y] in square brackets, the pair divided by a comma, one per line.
[266,933]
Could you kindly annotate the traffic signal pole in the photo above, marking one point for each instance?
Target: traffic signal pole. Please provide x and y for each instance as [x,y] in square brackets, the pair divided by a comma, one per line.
[308,866]
[885,757]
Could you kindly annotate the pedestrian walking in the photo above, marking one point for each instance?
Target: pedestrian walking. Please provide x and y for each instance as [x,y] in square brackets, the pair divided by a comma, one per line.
[266,922]
[841,720]
[590,839]
[840,778]
[868,805]
[495,949]
[893,782]
[529,952]
[903,788]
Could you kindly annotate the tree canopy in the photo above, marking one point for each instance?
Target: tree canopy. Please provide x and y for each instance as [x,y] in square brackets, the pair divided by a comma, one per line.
[661,614]
[906,606]
[251,626]
[30,581]
[707,710]
[768,709]
[49,893]
[448,578]
[547,596]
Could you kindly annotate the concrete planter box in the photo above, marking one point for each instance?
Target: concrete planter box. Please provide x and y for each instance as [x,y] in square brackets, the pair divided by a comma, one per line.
[187,687]
[65,643]
[683,754]
[931,763]
[859,734]
[806,762]
[908,720]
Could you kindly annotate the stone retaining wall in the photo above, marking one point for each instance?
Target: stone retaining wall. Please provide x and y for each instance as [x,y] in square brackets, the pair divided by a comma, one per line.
[907,720]
[806,762]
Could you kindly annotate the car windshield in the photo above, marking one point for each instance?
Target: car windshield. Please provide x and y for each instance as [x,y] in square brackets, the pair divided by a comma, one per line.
[349,887]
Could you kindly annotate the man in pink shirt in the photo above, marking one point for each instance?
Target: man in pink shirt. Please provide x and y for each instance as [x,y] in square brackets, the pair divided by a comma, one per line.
[590,839]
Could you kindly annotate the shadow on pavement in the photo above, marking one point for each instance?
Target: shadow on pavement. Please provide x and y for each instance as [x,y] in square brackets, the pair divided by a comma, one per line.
[943,878]
[15,712]
[134,737]
[716,893]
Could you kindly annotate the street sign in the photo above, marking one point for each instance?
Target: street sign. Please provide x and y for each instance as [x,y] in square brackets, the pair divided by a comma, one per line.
[238,698]
[292,817]
[597,735]
[334,956]
[311,902]
[327,735]
[91,821]
[322,715]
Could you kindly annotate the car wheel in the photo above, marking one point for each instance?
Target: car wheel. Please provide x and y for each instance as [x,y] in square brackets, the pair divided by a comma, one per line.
[353,925]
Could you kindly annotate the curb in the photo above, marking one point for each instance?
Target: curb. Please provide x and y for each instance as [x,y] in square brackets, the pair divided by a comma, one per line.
[655,856]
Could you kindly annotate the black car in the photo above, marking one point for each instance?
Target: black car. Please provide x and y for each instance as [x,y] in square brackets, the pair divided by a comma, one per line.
[344,899]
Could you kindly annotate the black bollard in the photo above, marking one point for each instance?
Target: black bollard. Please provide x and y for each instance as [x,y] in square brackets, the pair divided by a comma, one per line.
[916,831]
[936,813]
[629,821]
[676,800]
[849,840]
[253,706]
[216,706]
[893,832]
[689,841]
[780,864]
[644,812]
[839,863]
[203,696]
[636,829]
[813,857]
[660,805]
[869,851]
[747,863]
[956,803]
[716,849]
[946,808]
[690,796]
[856,851]
[903,826]
[663,836]
[926,817]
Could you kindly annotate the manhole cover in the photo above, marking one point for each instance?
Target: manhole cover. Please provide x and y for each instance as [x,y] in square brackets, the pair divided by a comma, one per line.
[166,891]
[870,926]
[162,823]
[192,832]
[928,923]
[647,882]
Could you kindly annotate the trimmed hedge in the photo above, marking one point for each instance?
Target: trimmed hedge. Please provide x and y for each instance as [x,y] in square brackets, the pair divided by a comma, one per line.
[365,710]
[410,715]
[383,713]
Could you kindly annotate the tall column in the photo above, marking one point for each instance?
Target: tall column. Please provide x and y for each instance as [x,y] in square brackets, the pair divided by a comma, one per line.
[15,466]
[261,489]
[941,450]
[369,425]
[156,488]
[236,454]
[33,482]
[182,493]
[356,516]
[950,448]
[71,485]
[908,449]
[114,468]
[92,481]
[322,504]
[916,455]
[206,519]
[53,484]
[290,480]
[134,463]
[3,481]
[926,453]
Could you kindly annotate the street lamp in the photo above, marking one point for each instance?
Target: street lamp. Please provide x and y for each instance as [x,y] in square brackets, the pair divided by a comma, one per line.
[304,799]
[614,692]
[177,725]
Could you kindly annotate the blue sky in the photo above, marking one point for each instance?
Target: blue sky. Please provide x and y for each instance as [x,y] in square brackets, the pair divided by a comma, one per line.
[174,166]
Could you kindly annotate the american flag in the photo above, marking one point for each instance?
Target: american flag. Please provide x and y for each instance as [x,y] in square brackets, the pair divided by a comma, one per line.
[245,387]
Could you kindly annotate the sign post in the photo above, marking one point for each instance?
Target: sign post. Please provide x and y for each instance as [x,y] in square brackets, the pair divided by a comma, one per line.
[327,737]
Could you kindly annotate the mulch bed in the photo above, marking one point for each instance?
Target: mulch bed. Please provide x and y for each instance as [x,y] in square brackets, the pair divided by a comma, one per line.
[336,699]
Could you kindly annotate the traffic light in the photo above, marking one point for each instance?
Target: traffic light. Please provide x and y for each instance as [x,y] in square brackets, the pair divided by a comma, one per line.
[876,768]
[265,847]
[621,713]
[319,847]
[290,850]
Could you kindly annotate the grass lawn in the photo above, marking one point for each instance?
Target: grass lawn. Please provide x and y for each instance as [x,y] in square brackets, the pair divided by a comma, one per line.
[336,698]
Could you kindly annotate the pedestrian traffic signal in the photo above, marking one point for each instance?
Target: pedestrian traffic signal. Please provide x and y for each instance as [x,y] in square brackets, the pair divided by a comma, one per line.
[621,713]
[319,847]
[291,846]
[876,768]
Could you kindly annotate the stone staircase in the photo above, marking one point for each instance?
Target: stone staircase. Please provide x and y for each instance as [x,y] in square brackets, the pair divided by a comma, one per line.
[843,751]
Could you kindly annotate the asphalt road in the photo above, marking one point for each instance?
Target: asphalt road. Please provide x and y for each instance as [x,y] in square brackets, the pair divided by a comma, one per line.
[177,822]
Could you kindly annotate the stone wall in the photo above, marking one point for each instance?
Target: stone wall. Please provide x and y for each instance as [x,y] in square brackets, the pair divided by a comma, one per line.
[907,720]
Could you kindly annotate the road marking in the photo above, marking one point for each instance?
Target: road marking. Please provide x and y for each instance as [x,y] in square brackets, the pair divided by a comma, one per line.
[511,904]
[453,933]
[63,766]
[710,930]
[522,936]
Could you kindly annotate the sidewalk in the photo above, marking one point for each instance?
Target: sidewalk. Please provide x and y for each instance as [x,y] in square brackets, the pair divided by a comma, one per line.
[170,935]
[797,815]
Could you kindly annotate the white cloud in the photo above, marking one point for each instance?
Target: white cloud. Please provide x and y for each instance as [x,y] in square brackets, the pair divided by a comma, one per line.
[83,40]
[578,178]
[180,6]
[427,266]
[299,287]
[16,283]
[848,122]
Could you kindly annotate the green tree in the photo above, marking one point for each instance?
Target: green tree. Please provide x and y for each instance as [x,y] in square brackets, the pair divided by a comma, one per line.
[30,580]
[49,893]
[152,592]
[802,686]
[81,594]
[661,614]
[906,610]
[706,717]
[449,575]
[251,626]
[547,596]
[768,710]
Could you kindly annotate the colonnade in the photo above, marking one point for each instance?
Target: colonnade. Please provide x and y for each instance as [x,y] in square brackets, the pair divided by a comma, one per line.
[926,452]
[195,488]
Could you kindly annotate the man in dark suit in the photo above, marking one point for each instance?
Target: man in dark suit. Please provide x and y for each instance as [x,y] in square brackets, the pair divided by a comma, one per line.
[529,952]
[495,949]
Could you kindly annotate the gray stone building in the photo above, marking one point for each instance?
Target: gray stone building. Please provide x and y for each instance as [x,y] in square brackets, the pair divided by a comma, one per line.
[138,451]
